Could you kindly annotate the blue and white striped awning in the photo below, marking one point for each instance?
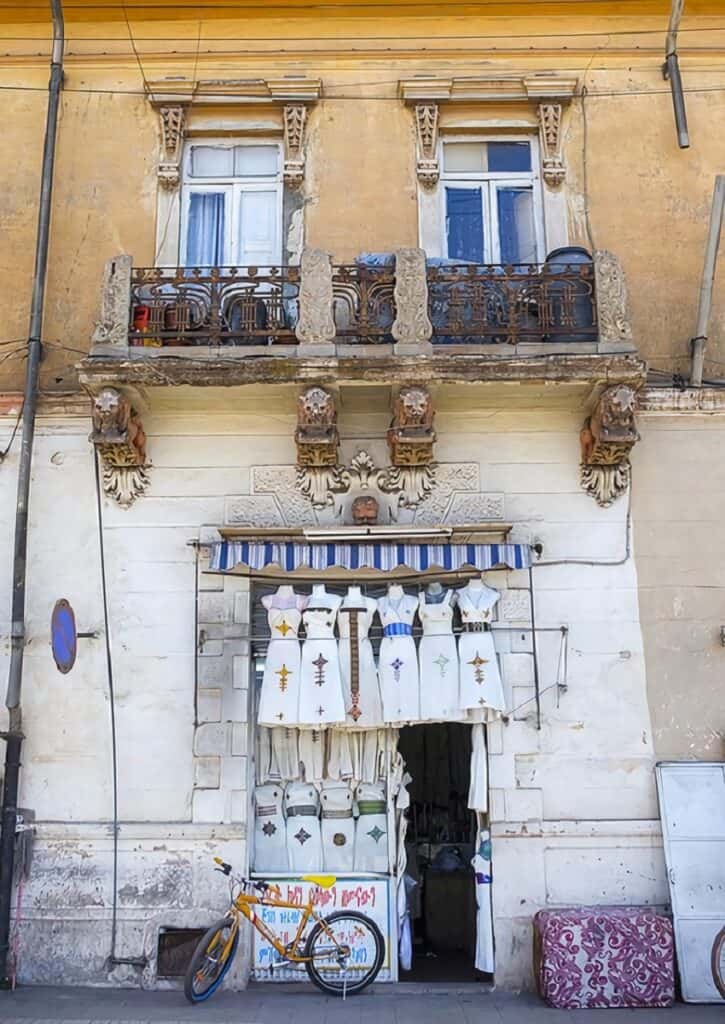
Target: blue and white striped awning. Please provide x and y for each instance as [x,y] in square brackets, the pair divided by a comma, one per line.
[291,555]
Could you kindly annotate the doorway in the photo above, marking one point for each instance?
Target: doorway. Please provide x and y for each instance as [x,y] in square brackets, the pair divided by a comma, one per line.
[440,844]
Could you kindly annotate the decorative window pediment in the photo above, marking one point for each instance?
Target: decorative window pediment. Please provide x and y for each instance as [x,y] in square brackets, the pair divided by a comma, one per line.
[548,93]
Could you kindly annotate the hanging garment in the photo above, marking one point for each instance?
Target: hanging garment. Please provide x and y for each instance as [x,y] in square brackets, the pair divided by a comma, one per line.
[270,837]
[263,756]
[312,754]
[371,828]
[478,790]
[480,687]
[365,754]
[481,864]
[304,843]
[438,660]
[398,662]
[280,697]
[339,755]
[321,700]
[337,826]
[360,685]
[285,758]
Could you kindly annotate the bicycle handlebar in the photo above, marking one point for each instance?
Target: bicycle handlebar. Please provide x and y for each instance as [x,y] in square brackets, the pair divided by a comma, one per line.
[226,869]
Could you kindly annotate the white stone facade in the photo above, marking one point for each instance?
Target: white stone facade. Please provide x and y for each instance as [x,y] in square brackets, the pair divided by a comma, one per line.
[574,813]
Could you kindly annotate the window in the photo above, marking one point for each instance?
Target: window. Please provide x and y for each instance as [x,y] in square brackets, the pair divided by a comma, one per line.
[491,210]
[231,205]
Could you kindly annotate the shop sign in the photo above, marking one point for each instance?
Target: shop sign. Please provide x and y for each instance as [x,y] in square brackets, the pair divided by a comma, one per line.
[369,896]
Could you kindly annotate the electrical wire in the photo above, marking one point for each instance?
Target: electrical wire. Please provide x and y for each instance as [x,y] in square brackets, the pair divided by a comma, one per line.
[6,450]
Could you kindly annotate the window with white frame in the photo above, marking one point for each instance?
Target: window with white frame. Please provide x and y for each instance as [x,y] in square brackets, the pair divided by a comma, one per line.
[231,210]
[491,200]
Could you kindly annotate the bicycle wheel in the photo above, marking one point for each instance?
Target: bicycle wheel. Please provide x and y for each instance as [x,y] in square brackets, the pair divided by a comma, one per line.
[717,962]
[211,960]
[346,951]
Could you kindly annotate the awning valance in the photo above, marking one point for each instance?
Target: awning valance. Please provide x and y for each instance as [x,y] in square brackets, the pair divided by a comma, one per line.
[385,557]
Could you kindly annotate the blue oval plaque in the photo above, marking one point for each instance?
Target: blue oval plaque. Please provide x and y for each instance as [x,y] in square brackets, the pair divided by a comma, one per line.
[63,636]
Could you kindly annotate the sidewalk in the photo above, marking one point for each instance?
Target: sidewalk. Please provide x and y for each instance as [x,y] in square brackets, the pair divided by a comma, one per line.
[263,1004]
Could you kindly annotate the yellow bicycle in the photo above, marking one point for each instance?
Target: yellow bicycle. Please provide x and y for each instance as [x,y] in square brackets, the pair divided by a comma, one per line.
[342,953]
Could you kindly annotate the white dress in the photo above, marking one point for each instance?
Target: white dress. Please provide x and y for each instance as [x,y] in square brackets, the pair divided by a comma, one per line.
[481,687]
[438,660]
[304,843]
[398,662]
[270,837]
[360,686]
[321,700]
[280,697]
[338,827]
[371,828]
[478,790]
[312,754]
[484,916]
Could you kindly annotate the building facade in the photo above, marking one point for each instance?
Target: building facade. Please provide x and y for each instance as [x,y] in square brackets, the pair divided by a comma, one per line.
[267,231]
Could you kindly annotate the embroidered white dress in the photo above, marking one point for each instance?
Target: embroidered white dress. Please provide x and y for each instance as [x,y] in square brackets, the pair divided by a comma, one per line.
[337,826]
[371,828]
[478,789]
[398,662]
[360,685]
[321,701]
[270,836]
[484,917]
[438,660]
[304,843]
[481,688]
[280,697]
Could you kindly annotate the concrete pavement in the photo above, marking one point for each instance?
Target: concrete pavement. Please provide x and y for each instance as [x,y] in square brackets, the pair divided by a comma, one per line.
[264,1004]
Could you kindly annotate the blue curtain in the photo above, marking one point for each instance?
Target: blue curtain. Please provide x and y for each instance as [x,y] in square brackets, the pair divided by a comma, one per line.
[464,224]
[205,232]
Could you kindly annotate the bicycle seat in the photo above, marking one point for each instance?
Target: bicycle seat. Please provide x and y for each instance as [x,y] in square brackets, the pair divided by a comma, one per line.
[324,881]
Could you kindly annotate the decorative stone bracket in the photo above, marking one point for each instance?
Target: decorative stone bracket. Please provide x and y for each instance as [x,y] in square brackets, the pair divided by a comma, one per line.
[607,438]
[173,121]
[411,435]
[119,439]
[295,122]
[409,486]
[426,131]
[552,161]
[316,435]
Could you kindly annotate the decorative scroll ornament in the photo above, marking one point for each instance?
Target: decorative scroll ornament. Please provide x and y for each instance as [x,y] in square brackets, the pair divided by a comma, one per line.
[409,486]
[607,438]
[553,169]
[295,121]
[613,313]
[119,438]
[172,137]
[316,323]
[426,127]
[411,435]
[412,325]
[316,436]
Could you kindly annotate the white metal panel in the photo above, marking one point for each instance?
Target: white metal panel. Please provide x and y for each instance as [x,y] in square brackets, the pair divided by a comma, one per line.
[692,807]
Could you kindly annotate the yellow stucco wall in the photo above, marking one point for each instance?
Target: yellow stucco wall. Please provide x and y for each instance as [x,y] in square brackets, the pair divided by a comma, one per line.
[648,200]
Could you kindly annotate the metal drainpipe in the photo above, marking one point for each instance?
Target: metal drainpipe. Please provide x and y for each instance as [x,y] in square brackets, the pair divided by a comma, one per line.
[14,736]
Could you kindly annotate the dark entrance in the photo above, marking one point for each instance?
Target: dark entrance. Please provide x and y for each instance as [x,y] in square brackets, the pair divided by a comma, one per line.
[440,844]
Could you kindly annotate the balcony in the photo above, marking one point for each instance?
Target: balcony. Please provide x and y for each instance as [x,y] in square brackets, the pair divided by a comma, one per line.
[382,309]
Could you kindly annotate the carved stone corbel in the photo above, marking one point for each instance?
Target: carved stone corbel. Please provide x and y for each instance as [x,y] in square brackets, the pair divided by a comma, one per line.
[412,328]
[613,314]
[295,121]
[119,439]
[426,130]
[552,162]
[607,438]
[112,327]
[316,324]
[316,436]
[411,435]
[173,120]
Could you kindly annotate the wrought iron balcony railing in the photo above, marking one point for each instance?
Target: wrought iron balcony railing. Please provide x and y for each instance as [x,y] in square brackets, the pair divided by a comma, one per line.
[393,302]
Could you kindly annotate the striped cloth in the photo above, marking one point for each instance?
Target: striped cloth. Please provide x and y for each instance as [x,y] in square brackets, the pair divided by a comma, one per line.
[291,555]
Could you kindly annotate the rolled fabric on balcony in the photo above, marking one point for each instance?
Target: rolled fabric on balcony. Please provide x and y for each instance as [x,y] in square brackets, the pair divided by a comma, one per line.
[385,557]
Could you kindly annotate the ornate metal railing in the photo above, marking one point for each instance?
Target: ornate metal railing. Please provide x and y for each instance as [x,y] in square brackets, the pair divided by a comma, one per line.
[467,304]
[363,304]
[472,304]
[213,305]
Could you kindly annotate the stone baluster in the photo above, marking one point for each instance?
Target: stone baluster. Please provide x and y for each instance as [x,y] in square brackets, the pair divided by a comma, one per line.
[613,312]
[412,328]
[316,325]
[111,329]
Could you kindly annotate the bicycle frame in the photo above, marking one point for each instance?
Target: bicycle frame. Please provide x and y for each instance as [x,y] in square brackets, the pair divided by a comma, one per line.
[244,904]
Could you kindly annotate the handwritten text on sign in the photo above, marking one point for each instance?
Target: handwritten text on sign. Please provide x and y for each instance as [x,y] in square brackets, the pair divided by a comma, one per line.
[369,897]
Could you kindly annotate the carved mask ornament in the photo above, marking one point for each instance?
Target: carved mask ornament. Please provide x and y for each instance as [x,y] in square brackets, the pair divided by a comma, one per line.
[316,436]
[411,435]
[120,440]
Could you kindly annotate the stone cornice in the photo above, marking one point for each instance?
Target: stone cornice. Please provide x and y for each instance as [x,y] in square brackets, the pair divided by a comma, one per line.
[681,400]
[489,89]
[214,92]
[226,371]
